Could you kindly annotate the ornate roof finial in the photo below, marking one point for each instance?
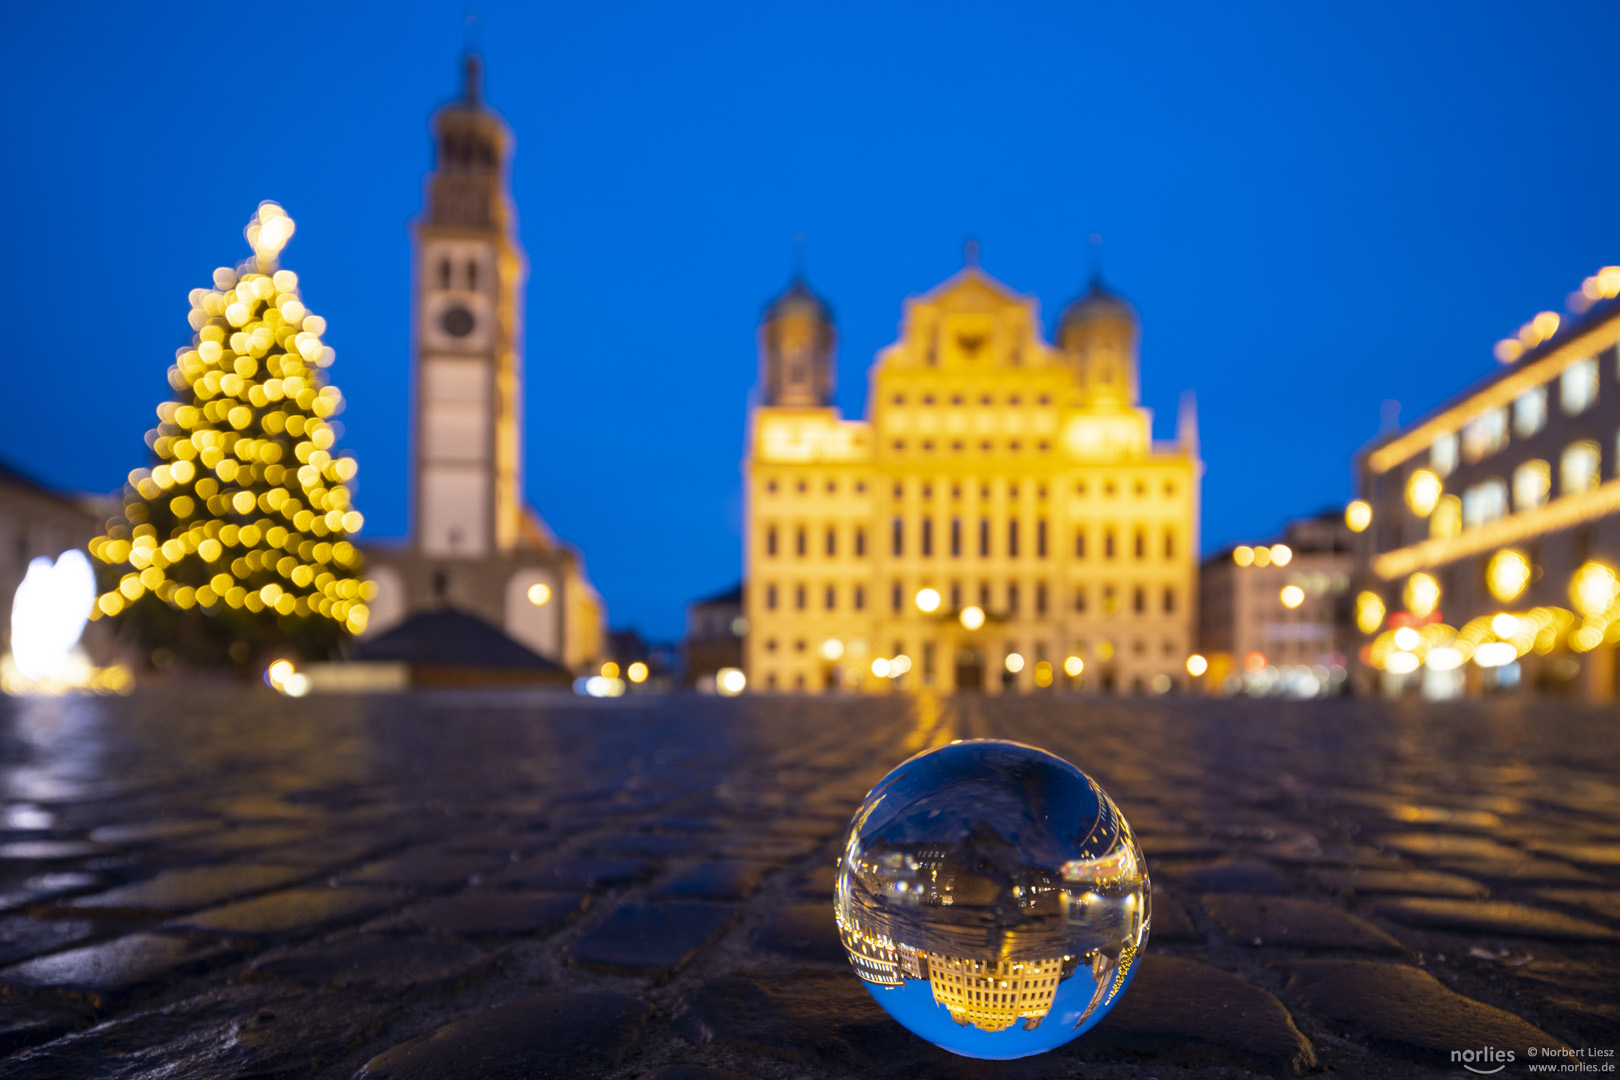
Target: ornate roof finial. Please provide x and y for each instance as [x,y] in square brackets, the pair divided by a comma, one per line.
[970,251]
[1096,258]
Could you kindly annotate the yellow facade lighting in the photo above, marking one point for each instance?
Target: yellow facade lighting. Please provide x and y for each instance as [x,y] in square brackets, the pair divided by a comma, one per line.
[972,617]
[1422,492]
[1507,575]
[1262,556]
[1073,666]
[1243,555]
[927,601]
[880,667]
[1015,662]
[1358,515]
[1422,595]
[610,670]
[832,649]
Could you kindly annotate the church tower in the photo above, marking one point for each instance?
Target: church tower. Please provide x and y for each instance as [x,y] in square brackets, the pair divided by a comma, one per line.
[476,547]
[1098,335]
[796,344]
[470,272]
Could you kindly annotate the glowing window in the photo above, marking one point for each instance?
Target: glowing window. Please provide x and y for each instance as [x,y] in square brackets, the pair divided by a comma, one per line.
[1578,386]
[1485,435]
[1484,503]
[1532,482]
[1578,468]
[1443,454]
[1530,412]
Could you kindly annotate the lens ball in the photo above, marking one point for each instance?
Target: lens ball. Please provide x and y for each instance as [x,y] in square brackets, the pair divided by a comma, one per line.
[992,898]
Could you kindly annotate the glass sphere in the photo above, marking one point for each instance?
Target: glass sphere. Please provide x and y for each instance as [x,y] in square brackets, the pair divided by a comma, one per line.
[992,898]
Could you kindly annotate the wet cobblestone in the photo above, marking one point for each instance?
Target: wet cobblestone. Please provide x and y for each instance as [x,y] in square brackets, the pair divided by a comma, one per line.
[218,882]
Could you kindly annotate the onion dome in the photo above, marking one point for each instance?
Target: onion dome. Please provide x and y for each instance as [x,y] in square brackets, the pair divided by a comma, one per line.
[1096,304]
[798,300]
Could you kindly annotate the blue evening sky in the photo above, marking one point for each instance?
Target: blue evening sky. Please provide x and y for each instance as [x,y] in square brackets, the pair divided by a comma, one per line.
[1315,208]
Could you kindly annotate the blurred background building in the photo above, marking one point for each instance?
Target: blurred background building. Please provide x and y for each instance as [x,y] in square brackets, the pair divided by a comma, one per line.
[39,522]
[476,546]
[1275,618]
[1003,520]
[1491,526]
[715,629]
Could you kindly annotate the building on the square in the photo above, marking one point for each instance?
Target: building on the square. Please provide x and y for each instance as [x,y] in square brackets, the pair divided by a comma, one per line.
[475,545]
[1002,511]
[1275,617]
[1492,524]
[715,629]
[39,522]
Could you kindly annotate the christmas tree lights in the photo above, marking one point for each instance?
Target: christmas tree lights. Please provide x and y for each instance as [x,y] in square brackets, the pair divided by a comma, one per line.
[241,533]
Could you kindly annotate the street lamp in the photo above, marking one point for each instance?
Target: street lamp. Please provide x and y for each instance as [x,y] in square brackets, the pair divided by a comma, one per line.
[927,600]
[972,617]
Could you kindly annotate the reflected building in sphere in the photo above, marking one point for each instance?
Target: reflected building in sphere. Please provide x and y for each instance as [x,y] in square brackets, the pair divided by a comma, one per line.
[1002,520]
[476,546]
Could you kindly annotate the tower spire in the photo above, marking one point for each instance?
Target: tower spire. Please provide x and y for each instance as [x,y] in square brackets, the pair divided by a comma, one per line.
[1096,258]
[970,251]
[798,256]
[472,78]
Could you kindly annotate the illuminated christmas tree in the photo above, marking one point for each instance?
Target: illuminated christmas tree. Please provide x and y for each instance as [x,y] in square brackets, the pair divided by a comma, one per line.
[237,542]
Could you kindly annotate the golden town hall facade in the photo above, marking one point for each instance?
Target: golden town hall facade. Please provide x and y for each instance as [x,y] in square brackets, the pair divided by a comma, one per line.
[1002,521]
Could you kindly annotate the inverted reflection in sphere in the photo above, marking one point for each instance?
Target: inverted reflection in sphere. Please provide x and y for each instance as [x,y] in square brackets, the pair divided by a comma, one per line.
[992,898]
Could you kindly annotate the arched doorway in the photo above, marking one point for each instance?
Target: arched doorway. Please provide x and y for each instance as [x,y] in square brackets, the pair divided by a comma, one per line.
[969,669]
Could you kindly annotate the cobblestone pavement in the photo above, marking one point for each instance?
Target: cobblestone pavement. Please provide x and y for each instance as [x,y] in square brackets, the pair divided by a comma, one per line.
[222,883]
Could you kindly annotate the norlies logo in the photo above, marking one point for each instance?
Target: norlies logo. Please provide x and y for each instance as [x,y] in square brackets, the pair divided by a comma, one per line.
[1486,1056]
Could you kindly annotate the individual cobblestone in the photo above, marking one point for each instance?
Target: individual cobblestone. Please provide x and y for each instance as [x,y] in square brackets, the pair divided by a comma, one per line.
[806,931]
[487,913]
[188,888]
[569,873]
[727,879]
[22,937]
[651,939]
[533,1038]
[1413,882]
[1494,917]
[1407,1011]
[110,972]
[289,913]
[481,883]
[373,963]
[1179,1011]
[1295,922]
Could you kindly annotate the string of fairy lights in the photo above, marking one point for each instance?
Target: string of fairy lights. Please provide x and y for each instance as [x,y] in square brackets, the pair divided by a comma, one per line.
[249,509]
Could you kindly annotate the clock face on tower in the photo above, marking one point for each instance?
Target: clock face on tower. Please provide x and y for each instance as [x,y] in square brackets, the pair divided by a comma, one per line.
[457,321]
